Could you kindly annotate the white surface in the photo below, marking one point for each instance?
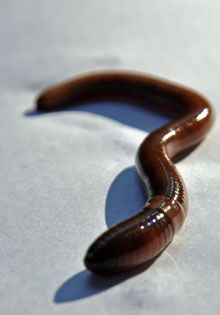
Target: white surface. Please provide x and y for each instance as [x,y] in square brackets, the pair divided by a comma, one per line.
[63,175]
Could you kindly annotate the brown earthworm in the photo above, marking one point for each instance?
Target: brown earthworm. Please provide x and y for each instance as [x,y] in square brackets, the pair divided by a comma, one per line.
[132,243]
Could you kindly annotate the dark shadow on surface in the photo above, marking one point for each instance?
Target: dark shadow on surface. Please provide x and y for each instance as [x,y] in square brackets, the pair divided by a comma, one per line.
[136,116]
[82,285]
[85,284]
[125,197]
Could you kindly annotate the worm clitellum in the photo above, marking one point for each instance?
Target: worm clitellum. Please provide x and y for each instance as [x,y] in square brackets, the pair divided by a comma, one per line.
[135,241]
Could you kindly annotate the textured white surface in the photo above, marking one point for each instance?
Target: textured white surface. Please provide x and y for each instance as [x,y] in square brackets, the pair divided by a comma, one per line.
[63,175]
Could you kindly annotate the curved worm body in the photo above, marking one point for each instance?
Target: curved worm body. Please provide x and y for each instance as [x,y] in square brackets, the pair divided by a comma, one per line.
[135,241]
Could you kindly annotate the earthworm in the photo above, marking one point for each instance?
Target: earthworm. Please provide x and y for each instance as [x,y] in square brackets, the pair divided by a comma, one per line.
[132,243]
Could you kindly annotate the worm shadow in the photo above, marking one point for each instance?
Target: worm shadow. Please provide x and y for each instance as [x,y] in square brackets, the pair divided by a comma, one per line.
[125,197]
[134,115]
[85,284]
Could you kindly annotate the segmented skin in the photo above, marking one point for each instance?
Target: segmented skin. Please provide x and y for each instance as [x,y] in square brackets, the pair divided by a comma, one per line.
[137,240]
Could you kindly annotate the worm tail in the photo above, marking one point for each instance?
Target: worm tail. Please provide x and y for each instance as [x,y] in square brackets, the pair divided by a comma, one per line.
[131,243]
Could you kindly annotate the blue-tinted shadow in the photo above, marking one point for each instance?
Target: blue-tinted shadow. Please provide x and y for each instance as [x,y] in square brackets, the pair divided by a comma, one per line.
[125,197]
[128,114]
[85,284]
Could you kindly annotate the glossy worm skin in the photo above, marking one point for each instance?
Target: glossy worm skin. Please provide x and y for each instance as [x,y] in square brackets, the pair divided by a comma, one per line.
[135,241]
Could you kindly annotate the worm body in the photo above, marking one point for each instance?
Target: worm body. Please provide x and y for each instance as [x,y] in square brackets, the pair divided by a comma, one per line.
[135,241]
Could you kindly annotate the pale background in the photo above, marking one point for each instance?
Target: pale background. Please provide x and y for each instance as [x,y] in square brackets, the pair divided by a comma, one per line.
[66,176]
